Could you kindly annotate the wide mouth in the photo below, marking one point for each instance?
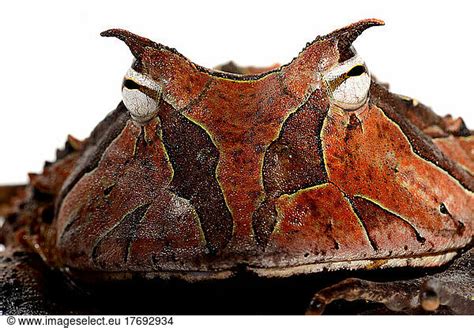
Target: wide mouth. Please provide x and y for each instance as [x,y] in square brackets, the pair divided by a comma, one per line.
[419,261]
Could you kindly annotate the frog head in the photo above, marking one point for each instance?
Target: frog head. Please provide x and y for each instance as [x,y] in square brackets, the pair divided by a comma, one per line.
[300,167]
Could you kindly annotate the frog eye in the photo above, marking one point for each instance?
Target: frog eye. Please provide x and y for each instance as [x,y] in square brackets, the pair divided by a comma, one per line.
[349,83]
[140,95]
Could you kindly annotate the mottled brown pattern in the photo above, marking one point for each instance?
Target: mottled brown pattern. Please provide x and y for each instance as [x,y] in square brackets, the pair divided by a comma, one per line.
[184,83]
[133,172]
[101,137]
[377,163]
[242,137]
[389,234]
[425,119]
[9,195]
[459,149]
[303,72]
[53,176]
[292,162]
[114,246]
[421,144]
[295,160]
[242,114]
[209,100]
[316,224]
[194,160]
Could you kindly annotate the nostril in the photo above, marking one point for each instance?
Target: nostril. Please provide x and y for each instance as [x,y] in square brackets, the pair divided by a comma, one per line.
[443,209]
[130,84]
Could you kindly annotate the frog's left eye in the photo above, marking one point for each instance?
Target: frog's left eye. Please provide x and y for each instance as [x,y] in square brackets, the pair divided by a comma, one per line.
[349,83]
[140,95]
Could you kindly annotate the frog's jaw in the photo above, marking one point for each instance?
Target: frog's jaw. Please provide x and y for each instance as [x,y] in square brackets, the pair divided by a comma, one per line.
[426,261]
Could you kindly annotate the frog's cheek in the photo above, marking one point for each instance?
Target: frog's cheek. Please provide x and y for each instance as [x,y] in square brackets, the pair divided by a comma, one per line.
[141,107]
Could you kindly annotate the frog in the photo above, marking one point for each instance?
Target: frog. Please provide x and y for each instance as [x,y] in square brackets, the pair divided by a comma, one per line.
[308,168]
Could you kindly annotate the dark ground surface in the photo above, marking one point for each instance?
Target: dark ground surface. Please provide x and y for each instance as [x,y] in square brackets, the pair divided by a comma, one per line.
[28,287]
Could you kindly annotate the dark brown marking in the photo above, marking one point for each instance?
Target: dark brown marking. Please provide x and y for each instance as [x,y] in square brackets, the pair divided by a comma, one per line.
[194,160]
[100,138]
[346,36]
[295,161]
[362,223]
[264,220]
[388,231]
[108,190]
[138,165]
[352,127]
[292,162]
[116,242]
[428,121]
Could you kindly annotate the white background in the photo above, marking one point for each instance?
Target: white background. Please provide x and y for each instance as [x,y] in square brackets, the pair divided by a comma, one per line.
[59,77]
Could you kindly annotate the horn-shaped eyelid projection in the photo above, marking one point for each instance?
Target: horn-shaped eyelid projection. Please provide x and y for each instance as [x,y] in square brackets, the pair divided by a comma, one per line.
[130,39]
[344,37]
[135,43]
[353,30]
[347,35]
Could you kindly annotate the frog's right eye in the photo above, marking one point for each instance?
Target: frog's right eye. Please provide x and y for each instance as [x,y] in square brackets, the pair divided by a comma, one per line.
[140,95]
[348,83]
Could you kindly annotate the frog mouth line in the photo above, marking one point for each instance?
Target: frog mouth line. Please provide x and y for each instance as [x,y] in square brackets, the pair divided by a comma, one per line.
[422,261]
[425,261]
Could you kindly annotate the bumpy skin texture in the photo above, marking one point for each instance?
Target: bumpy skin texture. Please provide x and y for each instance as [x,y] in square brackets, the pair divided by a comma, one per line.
[260,171]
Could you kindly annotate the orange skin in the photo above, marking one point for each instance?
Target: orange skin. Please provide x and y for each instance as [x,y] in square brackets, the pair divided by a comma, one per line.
[394,170]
